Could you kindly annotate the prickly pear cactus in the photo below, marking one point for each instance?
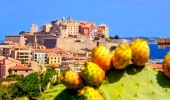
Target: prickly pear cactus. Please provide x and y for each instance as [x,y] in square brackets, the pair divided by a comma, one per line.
[133,83]
[136,84]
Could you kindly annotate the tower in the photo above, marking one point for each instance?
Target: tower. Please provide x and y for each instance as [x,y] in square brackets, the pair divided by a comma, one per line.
[21,40]
[35,42]
[34,28]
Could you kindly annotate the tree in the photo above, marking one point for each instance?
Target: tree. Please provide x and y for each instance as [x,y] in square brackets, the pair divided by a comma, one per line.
[116,37]
[21,32]
[107,39]
[13,77]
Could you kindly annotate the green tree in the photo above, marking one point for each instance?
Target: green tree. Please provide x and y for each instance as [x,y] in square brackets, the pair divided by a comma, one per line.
[116,37]
[13,77]
[21,32]
[107,39]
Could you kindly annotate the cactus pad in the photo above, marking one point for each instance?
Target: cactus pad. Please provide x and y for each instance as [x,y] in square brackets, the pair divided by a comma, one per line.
[132,83]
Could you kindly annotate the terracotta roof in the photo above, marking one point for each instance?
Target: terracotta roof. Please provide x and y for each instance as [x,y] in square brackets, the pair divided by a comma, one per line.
[2,57]
[20,67]
[156,66]
[54,50]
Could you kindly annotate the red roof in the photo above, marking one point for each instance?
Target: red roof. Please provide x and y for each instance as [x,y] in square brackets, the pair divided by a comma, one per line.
[156,66]
[20,67]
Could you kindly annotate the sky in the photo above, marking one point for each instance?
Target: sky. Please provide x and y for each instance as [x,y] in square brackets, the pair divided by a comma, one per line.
[127,18]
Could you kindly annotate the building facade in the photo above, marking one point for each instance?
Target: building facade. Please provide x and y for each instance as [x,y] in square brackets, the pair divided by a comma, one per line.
[54,58]
[46,27]
[34,28]
[40,57]
[23,54]
[5,64]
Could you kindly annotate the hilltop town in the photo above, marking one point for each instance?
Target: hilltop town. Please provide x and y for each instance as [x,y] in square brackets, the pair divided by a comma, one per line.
[61,45]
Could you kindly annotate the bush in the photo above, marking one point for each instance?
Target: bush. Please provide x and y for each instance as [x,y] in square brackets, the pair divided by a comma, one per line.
[30,85]
[47,77]
[14,77]
[4,93]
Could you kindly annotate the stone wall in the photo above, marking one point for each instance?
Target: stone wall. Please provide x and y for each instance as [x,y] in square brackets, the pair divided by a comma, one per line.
[70,44]
[12,38]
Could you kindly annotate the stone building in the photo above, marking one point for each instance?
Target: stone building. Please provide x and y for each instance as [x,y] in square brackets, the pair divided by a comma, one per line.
[5,64]
[85,27]
[22,53]
[34,28]
[46,27]
[65,27]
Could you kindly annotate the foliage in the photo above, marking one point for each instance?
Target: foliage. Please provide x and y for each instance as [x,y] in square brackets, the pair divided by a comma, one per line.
[143,83]
[49,74]
[29,85]
[13,77]
[22,32]
[107,39]
[116,37]
[4,93]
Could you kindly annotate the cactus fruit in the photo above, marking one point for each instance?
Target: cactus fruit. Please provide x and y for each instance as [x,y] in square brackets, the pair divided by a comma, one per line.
[89,93]
[140,52]
[166,65]
[101,56]
[133,83]
[72,80]
[92,74]
[121,56]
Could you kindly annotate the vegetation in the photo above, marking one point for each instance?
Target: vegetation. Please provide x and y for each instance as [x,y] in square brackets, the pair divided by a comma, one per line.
[26,86]
[4,93]
[115,37]
[14,77]
[143,83]
[107,39]
[22,32]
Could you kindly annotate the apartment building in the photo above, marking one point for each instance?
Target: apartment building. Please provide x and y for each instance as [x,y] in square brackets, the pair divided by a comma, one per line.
[40,57]
[22,53]
[54,58]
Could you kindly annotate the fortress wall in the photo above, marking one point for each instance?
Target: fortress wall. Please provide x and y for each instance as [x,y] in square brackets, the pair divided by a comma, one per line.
[12,38]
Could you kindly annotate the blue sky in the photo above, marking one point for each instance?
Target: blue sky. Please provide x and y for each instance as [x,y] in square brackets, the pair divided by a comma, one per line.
[124,17]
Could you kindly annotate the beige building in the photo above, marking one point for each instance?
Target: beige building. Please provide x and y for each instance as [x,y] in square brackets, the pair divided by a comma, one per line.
[5,48]
[22,53]
[103,29]
[65,28]
[34,28]
[54,58]
[5,64]
[20,70]
[46,27]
